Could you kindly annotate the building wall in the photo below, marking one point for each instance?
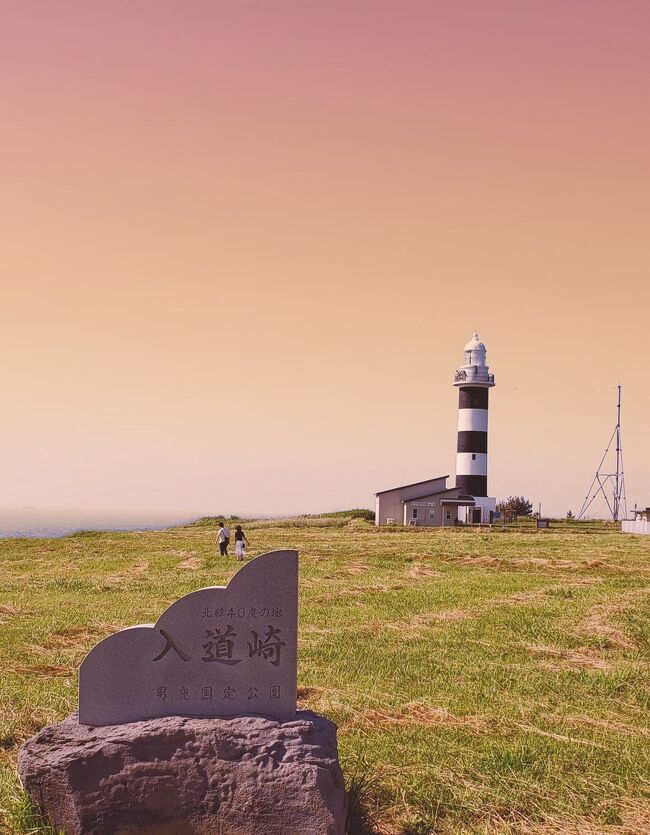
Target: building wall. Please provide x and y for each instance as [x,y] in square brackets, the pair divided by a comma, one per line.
[486,503]
[389,504]
[431,511]
[636,526]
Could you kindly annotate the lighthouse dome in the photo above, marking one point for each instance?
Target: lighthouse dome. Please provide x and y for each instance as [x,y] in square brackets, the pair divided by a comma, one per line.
[474,344]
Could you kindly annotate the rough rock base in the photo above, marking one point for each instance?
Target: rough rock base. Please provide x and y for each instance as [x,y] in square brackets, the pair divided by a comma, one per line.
[178,776]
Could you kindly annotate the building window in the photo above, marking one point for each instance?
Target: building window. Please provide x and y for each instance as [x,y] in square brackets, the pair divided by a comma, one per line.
[414,513]
[448,513]
[473,456]
[432,514]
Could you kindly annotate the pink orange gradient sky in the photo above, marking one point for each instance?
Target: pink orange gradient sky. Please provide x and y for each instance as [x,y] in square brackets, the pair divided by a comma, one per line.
[242,245]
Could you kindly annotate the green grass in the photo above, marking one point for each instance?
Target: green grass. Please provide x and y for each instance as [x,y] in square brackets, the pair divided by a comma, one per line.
[482,681]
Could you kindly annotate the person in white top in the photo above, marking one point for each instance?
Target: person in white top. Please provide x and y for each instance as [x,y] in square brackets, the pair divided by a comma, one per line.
[223,537]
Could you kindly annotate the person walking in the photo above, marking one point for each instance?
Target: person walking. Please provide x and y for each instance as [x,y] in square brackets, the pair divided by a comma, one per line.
[240,542]
[223,537]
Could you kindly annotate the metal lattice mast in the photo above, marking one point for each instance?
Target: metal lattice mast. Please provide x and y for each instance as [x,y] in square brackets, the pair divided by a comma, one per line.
[617,486]
[616,480]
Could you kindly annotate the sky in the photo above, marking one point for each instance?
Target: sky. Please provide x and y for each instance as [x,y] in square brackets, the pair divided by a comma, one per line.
[242,246]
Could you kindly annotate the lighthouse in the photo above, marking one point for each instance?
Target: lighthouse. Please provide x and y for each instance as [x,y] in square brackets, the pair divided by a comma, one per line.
[474,381]
[430,503]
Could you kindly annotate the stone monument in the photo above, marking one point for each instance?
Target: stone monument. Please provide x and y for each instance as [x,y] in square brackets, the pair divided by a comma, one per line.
[219,651]
[189,726]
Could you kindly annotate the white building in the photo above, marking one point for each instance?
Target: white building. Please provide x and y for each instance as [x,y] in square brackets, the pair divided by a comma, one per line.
[640,523]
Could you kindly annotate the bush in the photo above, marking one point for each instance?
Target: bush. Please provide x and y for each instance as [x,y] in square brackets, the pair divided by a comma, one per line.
[515,506]
[355,513]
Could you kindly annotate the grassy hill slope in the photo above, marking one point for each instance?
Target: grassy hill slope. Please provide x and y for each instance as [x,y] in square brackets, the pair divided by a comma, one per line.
[482,681]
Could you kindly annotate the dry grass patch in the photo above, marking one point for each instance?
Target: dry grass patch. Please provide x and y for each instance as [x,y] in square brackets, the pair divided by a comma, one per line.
[548,563]
[634,816]
[44,670]
[416,626]
[523,598]
[189,564]
[542,562]
[581,658]
[599,564]
[607,726]
[566,565]
[7,609]
[318,631]
[189,559]
[417,714]
[451,615]
[599,622]
[573,565]
[310,694]
[139,567]
[352,591]
[354,568]
[571,740]
[419,569]
[21,725]
[481,562]
[80,636]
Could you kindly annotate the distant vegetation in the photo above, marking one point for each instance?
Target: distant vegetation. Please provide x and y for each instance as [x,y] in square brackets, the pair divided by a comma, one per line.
[515,506]
[213,521]
[353,513]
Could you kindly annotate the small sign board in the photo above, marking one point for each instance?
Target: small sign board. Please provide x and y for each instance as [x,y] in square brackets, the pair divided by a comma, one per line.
[543,523]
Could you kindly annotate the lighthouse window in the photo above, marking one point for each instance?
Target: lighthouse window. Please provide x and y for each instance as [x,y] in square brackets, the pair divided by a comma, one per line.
[473,456]
[414,511]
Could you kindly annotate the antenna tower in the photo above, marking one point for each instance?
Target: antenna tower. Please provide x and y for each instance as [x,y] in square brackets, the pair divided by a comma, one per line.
[616,499]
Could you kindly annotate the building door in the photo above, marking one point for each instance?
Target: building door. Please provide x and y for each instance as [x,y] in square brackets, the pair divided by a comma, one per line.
[476,515]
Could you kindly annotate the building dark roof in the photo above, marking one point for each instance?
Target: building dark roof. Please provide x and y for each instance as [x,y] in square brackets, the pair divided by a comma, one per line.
[415,484]
[435,493]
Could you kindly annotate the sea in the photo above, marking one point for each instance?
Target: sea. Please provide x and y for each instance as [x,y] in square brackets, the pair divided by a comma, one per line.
[33,522]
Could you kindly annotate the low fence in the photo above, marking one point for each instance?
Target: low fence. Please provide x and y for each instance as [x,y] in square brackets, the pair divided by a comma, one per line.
[636,526]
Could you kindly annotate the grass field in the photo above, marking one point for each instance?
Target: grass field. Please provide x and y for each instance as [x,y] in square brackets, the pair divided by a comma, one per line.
[482,681]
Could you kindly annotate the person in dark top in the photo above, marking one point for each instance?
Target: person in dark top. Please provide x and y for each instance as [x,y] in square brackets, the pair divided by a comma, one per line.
[240,542]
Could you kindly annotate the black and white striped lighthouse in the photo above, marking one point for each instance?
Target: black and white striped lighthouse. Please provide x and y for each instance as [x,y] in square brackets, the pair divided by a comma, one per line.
[473,381]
